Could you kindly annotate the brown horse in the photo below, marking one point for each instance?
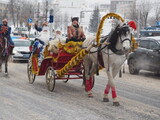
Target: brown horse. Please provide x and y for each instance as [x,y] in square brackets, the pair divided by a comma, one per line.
[4,52]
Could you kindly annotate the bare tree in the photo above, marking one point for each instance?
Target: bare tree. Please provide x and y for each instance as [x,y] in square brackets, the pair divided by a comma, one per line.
[11,8]
[144,8]
[157,12]
[65,22]
[21,10]
[27,11]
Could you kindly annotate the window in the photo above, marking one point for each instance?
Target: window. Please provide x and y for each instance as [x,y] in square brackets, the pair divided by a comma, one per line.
[144,44]
[153,45]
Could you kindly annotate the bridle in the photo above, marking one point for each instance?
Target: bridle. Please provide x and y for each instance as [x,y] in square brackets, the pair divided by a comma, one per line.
[114,50]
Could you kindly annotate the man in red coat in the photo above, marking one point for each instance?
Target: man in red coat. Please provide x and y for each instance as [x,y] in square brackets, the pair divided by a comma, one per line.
[75,32]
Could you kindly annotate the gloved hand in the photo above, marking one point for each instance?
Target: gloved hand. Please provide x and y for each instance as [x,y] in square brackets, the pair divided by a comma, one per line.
[73,39]
[82,39]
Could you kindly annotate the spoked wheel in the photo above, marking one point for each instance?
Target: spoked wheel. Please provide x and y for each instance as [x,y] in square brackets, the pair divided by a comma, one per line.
[133,69]
[65,81]
[50,78]
[31,76]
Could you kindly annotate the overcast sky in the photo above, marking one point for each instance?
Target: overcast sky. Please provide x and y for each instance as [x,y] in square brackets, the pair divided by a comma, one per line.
[97,1]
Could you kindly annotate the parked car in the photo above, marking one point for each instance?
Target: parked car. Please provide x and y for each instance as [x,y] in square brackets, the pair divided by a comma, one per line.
[31,36]
[21,50]
[146,56]
[20,30]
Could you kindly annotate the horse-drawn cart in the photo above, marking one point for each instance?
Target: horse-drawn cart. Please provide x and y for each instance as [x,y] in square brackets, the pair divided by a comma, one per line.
[53,63]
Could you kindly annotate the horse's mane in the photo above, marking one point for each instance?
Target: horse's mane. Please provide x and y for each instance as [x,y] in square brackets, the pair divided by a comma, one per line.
[114,34]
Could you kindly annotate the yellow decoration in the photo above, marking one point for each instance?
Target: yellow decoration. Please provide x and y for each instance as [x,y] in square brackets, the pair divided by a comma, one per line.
[35,68]
[99,31]
[74,61]
[134,45]
[75,47]
[71,47]
[46,52]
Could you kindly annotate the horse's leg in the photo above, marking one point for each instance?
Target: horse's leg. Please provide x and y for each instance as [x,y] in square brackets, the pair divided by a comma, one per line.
[124,68]
[6,67]
[87,63]
[107,89]
[111,86]
[0,65]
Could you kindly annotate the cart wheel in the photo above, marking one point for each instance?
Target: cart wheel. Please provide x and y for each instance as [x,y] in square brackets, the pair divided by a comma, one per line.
[65,81]
[31,76]
[50,78]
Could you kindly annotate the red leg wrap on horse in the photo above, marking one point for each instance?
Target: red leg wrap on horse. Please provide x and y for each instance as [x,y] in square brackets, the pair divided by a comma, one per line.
[91,81]
[114,95]
[89,84]
[107,89]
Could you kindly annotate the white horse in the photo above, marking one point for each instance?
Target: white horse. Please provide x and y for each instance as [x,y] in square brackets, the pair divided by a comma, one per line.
[113,56]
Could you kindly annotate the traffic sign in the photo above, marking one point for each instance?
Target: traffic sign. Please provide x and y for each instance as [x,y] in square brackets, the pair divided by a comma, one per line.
[51,19]
[29,20]
[158,23]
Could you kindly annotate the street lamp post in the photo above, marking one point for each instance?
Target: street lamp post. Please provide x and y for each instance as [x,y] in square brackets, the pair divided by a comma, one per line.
[46,9]
[51,19]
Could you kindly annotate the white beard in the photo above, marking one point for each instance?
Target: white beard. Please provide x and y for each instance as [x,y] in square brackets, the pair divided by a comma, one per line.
[45,28]
[44,36]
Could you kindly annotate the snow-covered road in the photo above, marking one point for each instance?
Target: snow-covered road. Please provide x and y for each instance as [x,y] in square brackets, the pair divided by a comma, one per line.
[139,97]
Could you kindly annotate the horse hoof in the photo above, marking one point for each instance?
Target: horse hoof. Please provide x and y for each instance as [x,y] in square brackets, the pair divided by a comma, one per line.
[116,104]
[105,100]
[90,95]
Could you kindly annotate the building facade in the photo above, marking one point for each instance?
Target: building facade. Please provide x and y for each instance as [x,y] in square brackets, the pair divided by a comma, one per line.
[123,7]
[3,10]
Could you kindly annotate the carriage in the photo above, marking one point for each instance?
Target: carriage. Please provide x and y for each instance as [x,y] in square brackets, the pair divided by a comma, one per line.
[54,62]
[113,49]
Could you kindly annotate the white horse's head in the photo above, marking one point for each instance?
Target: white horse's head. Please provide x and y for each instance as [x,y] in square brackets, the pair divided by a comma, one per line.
[120,38]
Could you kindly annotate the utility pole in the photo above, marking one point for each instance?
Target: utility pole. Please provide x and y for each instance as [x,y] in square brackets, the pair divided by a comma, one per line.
[138,30]
[46,9]
[38,12]
[51,19]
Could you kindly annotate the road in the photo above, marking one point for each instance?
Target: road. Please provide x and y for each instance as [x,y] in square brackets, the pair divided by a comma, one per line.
[139,96]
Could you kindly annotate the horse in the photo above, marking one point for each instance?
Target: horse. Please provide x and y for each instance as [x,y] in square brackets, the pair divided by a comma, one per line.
[113,52]
[5,51]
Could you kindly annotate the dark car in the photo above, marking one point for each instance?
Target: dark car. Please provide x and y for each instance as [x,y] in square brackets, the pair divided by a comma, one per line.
[146,56]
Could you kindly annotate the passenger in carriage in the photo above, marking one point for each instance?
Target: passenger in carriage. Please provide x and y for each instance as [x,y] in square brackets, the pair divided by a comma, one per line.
[42,40]
[53,44]
[43,28]
[58,35]
[75,32]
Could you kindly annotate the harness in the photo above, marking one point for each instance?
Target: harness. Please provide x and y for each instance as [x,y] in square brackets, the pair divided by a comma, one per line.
[108,44]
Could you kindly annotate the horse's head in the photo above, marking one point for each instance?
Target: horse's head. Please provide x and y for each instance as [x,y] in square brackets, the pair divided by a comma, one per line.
[125,35]
[120,38]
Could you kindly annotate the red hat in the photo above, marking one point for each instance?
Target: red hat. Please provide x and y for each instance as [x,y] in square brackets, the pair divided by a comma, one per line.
[132,24]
